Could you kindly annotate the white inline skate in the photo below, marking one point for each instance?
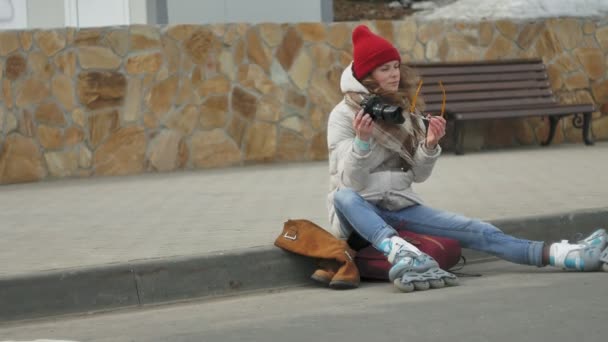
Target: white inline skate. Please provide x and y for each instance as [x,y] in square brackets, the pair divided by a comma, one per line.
[412,269]
[585,255]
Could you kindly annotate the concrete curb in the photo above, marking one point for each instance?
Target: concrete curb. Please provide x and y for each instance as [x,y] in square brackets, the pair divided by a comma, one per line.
[163,280]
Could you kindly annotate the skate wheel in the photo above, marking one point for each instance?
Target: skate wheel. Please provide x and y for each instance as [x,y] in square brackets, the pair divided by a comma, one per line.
[605,267]
[437,283]
[421,285]
[404,287]
[451,281]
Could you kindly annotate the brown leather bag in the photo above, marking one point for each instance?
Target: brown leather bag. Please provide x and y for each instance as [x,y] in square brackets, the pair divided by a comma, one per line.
[305,238]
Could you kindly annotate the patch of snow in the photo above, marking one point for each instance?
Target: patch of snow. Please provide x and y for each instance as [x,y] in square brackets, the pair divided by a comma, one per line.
[517,9]
[395,4]
[40,341]
[406,3]
[424,5]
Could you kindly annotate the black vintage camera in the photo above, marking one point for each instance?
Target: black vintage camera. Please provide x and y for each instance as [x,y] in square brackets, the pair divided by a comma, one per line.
[378,110]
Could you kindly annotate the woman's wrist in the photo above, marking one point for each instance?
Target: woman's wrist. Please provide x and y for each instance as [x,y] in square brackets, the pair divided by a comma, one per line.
[362,144]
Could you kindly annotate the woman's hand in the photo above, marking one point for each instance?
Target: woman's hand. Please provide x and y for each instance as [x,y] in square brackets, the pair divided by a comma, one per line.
[435,132]
[363,126]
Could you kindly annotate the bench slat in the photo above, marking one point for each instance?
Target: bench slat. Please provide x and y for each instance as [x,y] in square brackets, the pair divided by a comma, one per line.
[522,112]
[476,105]
[485,62]
[481,95]
[516,76]
[477,69]
[428,89]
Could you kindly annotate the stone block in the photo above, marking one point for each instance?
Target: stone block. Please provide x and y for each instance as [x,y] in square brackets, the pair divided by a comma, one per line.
[9,42]
[528,35]
[215,86]
[50,114]
[144,64]
[101,125]
[213,149]
[261,142]
[318,147]
[101,89]
[185,120]
[62,164]
[289,48]
[593,62]
[123,153]
[252,76]
[50,41]
[406,35]
[291,146]
[20,160]
[508,28]
[500,48]
[339,35]
[51,138]
[201,44]
[40,65]
[66,63]
[164,151]
[62,88]
[602,37]
[301,70]
[118,41]
[312,32]
[243,103]
[160,97]
[16,66]
[97,57]
[32,91]
[88,37]
[26,38]
[214,112]
[257,52]
[271,33]
[144,37]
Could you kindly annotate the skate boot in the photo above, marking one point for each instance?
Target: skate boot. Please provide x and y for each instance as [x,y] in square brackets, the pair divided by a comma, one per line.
[599,238]
[413,269]
[584,256]
[604,259]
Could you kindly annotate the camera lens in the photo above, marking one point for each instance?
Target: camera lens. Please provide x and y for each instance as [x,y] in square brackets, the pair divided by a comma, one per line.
[393,114]
[377,110]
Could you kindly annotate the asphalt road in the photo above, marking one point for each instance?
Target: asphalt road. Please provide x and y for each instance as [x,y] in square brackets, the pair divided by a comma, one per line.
[507,303]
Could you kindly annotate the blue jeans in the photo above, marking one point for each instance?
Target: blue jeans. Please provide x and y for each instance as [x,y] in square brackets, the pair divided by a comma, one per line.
[375,224]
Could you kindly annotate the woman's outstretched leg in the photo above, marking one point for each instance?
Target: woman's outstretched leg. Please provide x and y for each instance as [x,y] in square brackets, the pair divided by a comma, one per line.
[483,236]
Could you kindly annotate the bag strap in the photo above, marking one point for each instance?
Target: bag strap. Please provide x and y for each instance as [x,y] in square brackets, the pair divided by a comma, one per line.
[455,270]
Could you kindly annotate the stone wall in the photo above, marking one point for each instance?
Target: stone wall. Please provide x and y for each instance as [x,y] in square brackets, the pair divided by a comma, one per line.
[126,100]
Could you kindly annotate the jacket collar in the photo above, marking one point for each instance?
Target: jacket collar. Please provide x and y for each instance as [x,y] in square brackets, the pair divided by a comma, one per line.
[348,82]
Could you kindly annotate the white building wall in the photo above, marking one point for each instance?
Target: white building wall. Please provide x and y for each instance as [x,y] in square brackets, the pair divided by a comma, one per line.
[13,14]
[45,13]
[20,14]
[252,11]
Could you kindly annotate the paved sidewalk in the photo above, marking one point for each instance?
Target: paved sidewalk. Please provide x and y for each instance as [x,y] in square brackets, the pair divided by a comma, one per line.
[86,222]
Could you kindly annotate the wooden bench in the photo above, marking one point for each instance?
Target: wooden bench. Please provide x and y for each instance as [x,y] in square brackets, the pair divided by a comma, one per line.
[497,90]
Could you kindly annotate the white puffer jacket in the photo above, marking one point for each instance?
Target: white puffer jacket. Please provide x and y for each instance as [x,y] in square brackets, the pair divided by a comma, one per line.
[375,174]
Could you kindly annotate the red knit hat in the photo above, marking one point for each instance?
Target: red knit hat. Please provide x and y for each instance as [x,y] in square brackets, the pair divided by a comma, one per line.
[370,51]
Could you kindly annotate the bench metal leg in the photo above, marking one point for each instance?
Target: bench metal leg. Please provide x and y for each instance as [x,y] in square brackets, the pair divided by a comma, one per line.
[587,129]
[459,137]
[553,121]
